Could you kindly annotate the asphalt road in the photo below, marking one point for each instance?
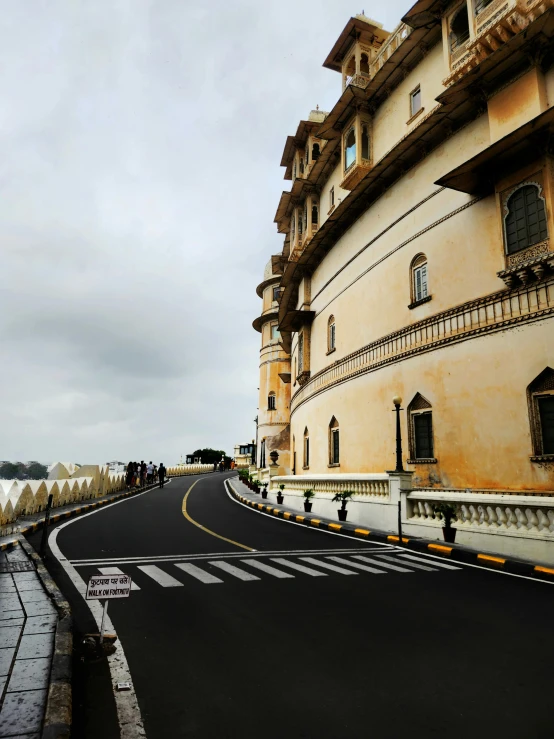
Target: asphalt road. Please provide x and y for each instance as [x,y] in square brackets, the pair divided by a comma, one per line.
[272,653]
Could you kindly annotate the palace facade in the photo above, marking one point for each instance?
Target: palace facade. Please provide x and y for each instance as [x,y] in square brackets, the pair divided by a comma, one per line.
[418,257]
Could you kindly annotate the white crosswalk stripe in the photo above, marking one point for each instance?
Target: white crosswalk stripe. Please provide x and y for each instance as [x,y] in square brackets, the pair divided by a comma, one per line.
[117,571]
[378,562]
[412,564]
[161,577]
[357,565]
[327,566]
[235,571]
[430,561]
[198,573]
[299,567]
[267,568]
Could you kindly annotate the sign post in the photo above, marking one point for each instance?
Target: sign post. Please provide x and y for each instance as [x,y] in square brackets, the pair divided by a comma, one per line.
[106,587]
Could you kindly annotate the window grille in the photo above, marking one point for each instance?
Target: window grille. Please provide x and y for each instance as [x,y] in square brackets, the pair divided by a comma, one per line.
[332,334]
[301,353]
[423,435]
[526,219]
[420,283]
[306,449]
[271,402]
[546,415]
[480,5]
[335,450]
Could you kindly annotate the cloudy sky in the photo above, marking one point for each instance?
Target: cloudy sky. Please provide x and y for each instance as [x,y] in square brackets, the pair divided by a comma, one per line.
[139,176]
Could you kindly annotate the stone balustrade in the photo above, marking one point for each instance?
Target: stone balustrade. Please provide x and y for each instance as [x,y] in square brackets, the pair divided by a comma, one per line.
[20,498]
[367,486]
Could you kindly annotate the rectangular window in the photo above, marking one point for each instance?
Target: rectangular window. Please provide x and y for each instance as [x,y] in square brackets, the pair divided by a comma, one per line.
[420,282]
[331,337]
[276,293]
[546,414]
[335,446]
[415,101]
[271,403]
[300,353]
[332,197]
[275,335]
[423,435]
[307,451]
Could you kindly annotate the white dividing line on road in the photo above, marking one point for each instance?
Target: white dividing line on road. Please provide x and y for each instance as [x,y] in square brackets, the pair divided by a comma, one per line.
[267,568]
[412,564]
[295,523]
[128,710]
[235,571]
[116,571]
[160,576]
[206,577]
[299,567]
[357,565]
[435,564]
[327,566]
[378,562]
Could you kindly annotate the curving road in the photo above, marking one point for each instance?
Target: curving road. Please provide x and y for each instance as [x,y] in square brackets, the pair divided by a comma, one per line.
[246,626]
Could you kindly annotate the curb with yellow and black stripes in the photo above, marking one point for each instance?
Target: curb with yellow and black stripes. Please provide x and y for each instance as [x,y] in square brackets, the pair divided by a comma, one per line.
[456,553]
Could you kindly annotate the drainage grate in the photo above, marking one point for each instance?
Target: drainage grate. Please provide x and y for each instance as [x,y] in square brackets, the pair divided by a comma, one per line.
[16,567]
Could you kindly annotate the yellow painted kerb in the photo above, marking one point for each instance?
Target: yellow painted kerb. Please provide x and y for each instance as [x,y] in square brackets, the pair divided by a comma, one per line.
[488,558]
[208,531]
[548,570]
[335,526]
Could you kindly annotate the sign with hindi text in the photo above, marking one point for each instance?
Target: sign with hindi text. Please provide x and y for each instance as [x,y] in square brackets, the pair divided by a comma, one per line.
[103,587]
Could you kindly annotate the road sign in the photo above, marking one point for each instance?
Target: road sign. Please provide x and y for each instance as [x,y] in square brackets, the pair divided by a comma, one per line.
[105,587]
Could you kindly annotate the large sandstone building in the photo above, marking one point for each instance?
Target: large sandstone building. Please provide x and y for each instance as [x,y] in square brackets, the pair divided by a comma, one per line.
[418,259]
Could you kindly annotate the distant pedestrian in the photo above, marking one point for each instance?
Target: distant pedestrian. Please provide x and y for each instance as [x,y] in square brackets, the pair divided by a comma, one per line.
[154,473]
[150,472]
[129,476]
[221,467]
[142,473]
[161,474]
[215,467]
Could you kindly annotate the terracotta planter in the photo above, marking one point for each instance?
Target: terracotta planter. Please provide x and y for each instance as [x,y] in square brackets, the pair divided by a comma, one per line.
[449,534]
[280,499]
[307,506]
[264,493]
[342,514]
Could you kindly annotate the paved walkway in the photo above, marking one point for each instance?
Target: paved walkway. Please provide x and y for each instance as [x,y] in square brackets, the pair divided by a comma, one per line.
[27,626]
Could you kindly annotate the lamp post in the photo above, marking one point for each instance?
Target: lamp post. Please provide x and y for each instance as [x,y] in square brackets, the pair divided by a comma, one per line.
[397,400]
[255,448]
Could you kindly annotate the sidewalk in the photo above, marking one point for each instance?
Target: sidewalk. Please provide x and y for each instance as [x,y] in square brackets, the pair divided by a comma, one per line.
[455,551]
[28,623]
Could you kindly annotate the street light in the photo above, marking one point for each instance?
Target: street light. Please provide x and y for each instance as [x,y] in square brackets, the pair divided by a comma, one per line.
[397,400]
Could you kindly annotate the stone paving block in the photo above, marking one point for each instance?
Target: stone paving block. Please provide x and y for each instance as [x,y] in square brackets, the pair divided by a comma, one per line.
[9,602]
[32,646]
[17,555]
[39,609]
[7,589]
[22,712]
[3,680]
[41,624]
[33,596]
[9,636]
[29,674]
[6,659]
[16,616]
[29,584]
[21,576]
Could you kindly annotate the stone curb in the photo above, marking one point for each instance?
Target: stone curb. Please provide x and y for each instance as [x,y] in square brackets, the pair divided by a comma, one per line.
[485,560]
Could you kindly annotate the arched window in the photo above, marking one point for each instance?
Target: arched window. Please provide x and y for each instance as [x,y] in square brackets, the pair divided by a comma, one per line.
[306,449]
[350,149]
[294,169]
[331,334]
[459,28]
[301,162]
[315,152]
[307,154]
[525,218]
[305,217]
[334,442]
[480,5]
[350,69]
[315,215]
[365,142]
[364,64]
[540,398]
[420,423]
[419,278]
[271,406]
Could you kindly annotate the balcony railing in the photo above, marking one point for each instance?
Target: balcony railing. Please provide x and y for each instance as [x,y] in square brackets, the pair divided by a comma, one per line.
[397,37]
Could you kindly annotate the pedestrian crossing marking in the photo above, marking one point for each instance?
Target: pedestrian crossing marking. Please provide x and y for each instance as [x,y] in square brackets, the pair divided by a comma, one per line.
[299,567]
[412,564]
[327,566]
[358,566]
[235,571]
[378,562]
[116,571]
[432,561]
[198,573]
[160,576]
[267,569]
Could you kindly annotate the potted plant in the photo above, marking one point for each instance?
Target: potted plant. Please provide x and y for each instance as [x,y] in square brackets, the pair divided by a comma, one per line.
[308,495]
[280,498]
[343,499]
[446,511]
[263,487]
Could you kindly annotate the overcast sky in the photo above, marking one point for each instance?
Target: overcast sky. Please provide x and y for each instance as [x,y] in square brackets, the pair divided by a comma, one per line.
[139,176]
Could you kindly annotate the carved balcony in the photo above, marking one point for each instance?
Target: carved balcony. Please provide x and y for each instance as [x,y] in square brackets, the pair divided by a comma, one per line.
[530,265]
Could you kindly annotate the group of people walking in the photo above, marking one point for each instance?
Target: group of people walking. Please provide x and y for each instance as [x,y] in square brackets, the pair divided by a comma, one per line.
[140,474]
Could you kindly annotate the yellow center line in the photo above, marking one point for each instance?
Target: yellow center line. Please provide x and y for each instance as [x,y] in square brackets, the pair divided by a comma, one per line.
[212,533]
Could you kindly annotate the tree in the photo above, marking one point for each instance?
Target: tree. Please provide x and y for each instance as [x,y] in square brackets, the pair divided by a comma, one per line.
[210,456]
[8,471]
[37,471]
